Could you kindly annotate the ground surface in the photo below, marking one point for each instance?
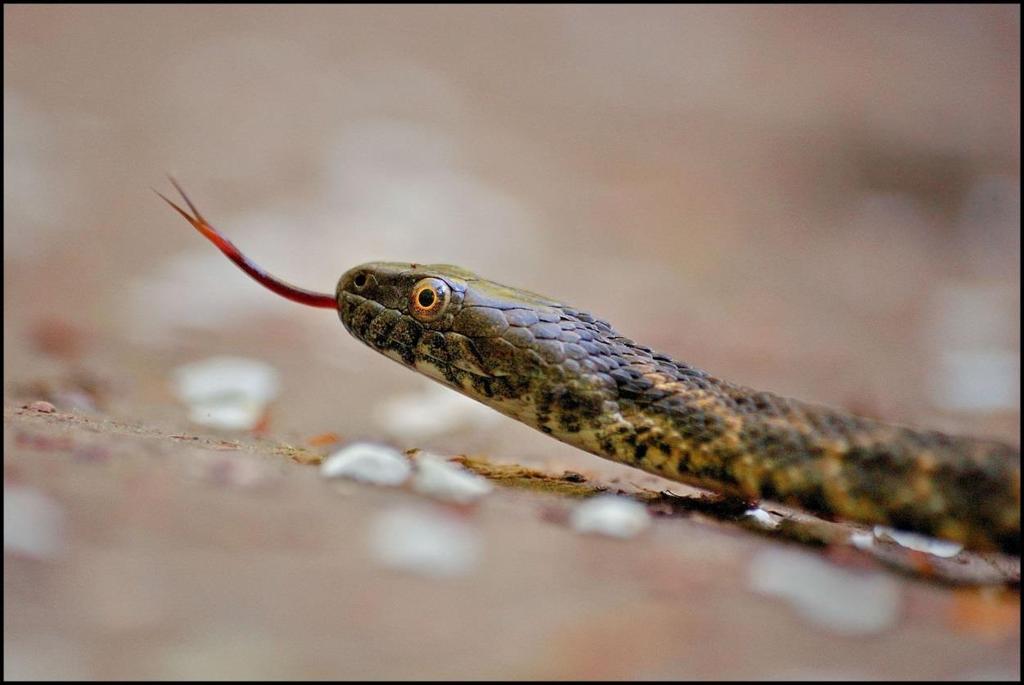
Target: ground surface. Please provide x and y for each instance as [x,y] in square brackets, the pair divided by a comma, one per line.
[166,554]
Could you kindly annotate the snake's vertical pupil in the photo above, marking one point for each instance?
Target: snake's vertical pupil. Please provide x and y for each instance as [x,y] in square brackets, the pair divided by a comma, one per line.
[426,297]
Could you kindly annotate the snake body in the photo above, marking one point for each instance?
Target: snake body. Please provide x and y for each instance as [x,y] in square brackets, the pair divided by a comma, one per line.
[572,376]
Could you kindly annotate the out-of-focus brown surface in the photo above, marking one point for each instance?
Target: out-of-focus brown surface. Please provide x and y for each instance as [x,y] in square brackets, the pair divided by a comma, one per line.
[819,201]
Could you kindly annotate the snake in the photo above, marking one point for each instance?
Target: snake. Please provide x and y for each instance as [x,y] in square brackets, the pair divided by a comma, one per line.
[572,376]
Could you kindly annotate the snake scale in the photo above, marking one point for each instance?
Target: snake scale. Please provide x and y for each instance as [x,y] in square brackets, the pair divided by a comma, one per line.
[572,376]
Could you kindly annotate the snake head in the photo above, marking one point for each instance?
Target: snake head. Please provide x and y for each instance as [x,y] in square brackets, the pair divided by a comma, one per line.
[448,322]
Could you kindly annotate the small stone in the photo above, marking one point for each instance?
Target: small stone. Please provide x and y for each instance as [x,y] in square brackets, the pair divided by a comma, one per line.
[33,524]
[426,542]
[862,540]
[610,515]
[918,542]
[41,406]
[844,601]
[762,517]
[368,462]
[230,393]
[228,416]
[446,481]
[217,378]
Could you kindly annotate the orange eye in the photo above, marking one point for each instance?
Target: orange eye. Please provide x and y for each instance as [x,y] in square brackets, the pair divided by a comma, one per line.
[429,299]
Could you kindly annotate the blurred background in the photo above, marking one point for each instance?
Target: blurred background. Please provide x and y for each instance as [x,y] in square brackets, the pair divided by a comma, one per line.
[819,201]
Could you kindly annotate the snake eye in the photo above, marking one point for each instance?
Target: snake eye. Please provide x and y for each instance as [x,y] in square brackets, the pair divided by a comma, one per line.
[360,281]
[429,299]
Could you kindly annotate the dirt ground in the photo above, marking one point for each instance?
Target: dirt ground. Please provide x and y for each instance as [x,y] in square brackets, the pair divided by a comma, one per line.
[166,553]
[818,201]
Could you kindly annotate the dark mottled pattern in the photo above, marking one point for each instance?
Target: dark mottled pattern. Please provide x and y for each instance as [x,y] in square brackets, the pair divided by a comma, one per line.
[572,376]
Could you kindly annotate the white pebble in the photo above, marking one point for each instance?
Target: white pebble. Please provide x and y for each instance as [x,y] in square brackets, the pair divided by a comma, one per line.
[441,479]
[425,542]
[918,542]
[33,524]
[610,515]
[862,540]
[216,377]
[226,392]
[369,463]
[762,517]
[844,601]
[232,416]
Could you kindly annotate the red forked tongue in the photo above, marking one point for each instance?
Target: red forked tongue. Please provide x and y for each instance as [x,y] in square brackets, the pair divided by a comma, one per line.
[282,288]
